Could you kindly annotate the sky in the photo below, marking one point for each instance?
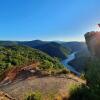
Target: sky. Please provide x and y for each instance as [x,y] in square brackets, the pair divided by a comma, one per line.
[64,20]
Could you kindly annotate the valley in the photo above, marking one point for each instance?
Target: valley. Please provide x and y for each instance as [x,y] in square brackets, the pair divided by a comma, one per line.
[68,60]
[46,69]
[49,50]
[28,69]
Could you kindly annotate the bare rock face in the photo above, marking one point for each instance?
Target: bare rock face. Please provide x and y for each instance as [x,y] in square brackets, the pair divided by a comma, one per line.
[93,43]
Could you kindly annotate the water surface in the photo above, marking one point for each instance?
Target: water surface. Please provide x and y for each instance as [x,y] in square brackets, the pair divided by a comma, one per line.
[69,67]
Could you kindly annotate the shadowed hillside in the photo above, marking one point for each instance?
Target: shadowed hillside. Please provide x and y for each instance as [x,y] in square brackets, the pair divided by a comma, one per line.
[75,46]
[54,49]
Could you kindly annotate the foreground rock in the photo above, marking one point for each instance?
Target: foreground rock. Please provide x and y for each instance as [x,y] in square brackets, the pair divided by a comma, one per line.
[50,86]
[93,43]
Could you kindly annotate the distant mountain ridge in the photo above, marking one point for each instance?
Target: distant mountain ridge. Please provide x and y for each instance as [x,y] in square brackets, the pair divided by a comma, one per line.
[33,43]
[75,46]
[53,48]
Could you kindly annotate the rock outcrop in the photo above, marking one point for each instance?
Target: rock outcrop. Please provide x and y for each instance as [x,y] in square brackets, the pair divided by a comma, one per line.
[93,43]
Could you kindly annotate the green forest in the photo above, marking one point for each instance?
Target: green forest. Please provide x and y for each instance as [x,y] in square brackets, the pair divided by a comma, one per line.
[19,56]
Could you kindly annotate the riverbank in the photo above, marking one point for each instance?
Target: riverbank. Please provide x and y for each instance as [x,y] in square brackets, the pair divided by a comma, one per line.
[69,67]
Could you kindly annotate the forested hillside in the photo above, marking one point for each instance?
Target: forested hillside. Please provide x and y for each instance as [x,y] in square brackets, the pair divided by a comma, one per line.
[75,46]
[19,56]
[51,48]
[54,50]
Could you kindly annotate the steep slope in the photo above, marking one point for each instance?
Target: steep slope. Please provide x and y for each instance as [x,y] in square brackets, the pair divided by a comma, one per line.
[81,59]
[19,56]
[92,73]
[75,46]
[51,48]
[93,43]
[54,49]
[17,65]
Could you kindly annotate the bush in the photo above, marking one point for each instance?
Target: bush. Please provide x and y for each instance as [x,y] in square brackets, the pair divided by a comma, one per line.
[34,96]
[92,90]
[63,71]
[93,78]
[82,76]
[80,93]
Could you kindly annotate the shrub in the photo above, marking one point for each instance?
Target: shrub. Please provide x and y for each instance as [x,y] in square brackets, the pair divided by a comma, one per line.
[82,76]
[63,71]
[34,96]
[80,93]
[92,90]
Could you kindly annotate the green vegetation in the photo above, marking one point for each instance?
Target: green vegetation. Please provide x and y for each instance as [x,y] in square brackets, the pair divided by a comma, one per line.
[37,95]
[80,92]
[63,71]
[19,56]
[73,88]
[82,76]
[93,78]
[92,89]
[54,50]
[34,96]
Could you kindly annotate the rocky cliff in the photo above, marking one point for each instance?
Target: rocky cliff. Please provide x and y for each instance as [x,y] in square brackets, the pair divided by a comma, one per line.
[93,43]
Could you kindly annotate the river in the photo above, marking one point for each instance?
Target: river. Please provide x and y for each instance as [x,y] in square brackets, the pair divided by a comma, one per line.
[69,67]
